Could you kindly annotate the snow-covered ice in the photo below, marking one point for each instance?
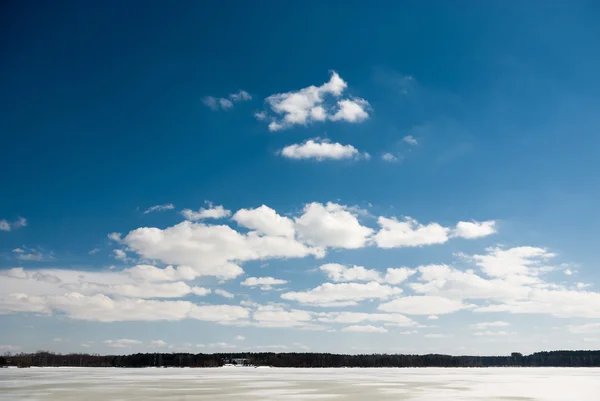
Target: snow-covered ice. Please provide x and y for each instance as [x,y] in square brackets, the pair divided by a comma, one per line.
[419,384]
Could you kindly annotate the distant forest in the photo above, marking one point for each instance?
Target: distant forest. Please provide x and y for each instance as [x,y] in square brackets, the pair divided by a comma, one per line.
[302,360]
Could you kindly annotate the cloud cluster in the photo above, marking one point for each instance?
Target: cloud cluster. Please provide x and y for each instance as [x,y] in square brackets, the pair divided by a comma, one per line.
[311,104]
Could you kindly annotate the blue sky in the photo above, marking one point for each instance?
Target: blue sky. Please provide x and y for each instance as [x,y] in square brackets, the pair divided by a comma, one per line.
[454,144]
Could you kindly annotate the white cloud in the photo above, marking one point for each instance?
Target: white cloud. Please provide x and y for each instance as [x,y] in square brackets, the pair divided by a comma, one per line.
[121,343]
[159,208]
[138,290]
[410,140]
[341,294]
[226,103]
[437,335]
[240,96]
[9,348]
[224,293]
[278,316]
[101,308]
[487,325]
[474,229]
[18,250]
[153,273]
[7,226]
[351,110]
[408,233]
[388,157]
[518,261]
[308,105]
[398,275]
[443,280]
[585,328]
[265,221]
[114,237]
[200,291]
[560,303]
[320,150]
[358,317]
[265,283]
[365,329]
[423,305]
[216,212]
[432,317]
[339,273]
[158,343]
[211,250]
[331,225]
[489,333]
[568,272]
[120,254]
[94,251]
[239,338]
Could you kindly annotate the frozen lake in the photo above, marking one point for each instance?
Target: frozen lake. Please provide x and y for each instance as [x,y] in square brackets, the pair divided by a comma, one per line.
[426,384]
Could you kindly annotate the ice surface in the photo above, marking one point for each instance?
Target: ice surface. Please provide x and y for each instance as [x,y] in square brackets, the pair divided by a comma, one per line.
[425,384]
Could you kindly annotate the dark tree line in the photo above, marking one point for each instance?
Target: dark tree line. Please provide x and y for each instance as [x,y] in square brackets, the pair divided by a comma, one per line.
[303,360]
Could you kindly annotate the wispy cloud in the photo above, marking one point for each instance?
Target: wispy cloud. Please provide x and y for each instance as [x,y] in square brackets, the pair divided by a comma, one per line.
[5,225]
[159,208]
[222,103]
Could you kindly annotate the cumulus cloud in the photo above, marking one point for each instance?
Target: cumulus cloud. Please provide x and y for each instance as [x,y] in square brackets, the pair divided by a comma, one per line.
[342,294]
[265,283]
[408,233]
[398,275]
[265,221]
[211,250]
[222,103]
[309,105]
[474,229]
[443,280]
[358,317]
[518,261]
[213,212]
[340,273]
[223,293]
[423,305]
[278,316]
[337,272]
[159,208]
[365,329]
[321,149]
[331,225]
[351,110]
[149,310]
